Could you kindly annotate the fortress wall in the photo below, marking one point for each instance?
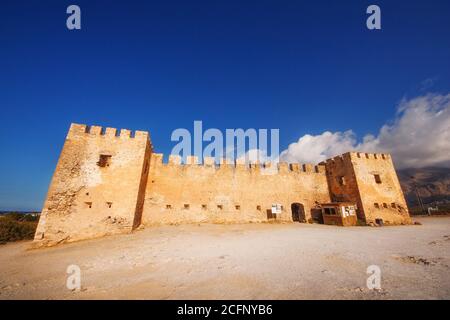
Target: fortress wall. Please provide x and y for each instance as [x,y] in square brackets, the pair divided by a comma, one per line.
[388,194]
[89,197]
[228,193]
[108,181]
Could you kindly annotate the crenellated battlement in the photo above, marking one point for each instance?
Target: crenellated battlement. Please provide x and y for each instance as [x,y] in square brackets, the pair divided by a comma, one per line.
[357,156]
[373,156]
[77,130]
[225,163]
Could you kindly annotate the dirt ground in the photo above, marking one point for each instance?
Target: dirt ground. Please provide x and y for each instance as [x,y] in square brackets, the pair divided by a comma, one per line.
[253,261]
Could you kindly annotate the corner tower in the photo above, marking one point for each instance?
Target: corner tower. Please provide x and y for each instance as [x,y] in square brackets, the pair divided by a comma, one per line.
[370,181]
[98,186]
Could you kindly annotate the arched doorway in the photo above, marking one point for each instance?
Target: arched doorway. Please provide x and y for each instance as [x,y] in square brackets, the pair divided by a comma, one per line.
[298,212]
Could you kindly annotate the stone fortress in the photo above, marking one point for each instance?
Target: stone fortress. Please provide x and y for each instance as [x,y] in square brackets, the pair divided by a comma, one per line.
[109,181]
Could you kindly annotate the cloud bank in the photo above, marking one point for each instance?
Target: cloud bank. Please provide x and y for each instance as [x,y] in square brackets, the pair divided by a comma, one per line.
[418,137]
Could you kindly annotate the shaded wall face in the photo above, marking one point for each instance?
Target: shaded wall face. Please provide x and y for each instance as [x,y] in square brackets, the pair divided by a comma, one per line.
[95,188]
[142,185]
[379,187]
[207,193]
[342,182]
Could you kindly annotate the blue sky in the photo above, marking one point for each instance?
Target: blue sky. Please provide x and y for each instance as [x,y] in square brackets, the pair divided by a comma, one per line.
[300,66]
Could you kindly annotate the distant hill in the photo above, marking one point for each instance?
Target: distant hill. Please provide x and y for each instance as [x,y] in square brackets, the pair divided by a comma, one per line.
[433,185]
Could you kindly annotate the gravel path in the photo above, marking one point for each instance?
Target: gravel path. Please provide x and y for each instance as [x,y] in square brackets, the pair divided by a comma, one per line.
[253,261]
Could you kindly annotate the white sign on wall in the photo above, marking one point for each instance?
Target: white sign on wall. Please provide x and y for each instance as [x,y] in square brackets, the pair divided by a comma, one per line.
[276,208]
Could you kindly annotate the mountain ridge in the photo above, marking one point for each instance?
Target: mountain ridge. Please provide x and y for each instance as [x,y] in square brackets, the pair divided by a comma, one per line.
[432,184]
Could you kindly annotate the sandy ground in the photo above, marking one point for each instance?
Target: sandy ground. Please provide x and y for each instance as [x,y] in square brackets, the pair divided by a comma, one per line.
[254,261]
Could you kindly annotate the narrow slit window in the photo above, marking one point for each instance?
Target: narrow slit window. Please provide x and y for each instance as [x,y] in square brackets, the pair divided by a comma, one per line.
[377,178]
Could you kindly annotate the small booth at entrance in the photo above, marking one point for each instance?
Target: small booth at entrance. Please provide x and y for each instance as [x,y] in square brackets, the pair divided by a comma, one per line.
[339,214]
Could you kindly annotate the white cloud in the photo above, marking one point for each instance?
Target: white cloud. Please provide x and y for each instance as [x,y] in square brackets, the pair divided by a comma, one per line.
[313,149]
[418,137]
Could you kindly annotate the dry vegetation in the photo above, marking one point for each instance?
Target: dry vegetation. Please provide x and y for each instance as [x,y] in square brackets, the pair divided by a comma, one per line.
[17,226]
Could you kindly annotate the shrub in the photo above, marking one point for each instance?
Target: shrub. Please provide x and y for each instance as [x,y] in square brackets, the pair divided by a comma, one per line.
[12,228]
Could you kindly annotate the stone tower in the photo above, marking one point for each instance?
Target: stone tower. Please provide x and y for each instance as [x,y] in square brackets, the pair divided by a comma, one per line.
[370,181]
[98,187]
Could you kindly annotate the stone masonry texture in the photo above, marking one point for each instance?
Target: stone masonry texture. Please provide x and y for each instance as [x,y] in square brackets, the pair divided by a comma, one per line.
[108,181]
